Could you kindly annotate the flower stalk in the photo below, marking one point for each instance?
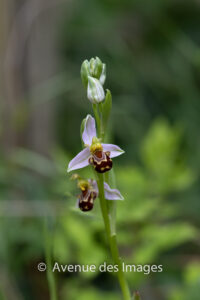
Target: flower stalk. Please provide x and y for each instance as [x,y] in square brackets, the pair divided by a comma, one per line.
[112,239]
[97,117]
[110,226]
[108,211]
[99,155]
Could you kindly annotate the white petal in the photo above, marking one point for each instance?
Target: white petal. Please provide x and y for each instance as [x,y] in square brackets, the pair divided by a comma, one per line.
[89,130]
[80,160]
[112,194]
[113,149]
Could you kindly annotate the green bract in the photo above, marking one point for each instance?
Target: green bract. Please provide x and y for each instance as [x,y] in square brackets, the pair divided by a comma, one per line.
[106,108]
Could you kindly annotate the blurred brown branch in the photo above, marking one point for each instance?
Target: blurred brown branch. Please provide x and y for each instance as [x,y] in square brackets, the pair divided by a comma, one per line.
[29,58]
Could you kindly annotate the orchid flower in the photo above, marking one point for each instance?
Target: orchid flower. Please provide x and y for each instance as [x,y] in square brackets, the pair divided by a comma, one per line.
[89,192]
[95,153]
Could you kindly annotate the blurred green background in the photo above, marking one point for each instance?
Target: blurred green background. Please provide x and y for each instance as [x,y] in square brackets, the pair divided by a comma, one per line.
[152,53]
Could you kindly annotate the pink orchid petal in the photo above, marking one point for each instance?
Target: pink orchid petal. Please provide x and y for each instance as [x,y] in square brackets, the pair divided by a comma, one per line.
[80,160]
[114,150]
[89,130]
[112,194]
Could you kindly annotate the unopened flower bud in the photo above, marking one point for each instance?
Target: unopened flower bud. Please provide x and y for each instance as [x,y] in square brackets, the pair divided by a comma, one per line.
[95,91]
[96,67]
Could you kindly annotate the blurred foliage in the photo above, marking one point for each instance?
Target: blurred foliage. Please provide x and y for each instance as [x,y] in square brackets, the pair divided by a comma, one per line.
[190,288]
[152,53]
[150,221]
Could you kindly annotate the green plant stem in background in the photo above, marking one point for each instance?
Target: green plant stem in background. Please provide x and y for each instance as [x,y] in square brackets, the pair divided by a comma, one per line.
[48,257]
[112,239]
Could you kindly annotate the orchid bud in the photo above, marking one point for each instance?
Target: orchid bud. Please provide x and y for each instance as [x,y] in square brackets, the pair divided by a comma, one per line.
[96,67]
[95,91]
[85,72]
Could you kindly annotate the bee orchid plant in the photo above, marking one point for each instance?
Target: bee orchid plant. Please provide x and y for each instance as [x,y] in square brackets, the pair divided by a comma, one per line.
[99,155]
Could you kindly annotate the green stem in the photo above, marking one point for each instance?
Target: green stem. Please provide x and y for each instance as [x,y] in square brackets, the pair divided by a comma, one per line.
[97,117]
[48,257]
[109,218]
[112,240]
[101,125]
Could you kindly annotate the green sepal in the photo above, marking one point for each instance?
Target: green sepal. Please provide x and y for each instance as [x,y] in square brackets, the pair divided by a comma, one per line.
[85,72]
[106,108]
[82,129]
